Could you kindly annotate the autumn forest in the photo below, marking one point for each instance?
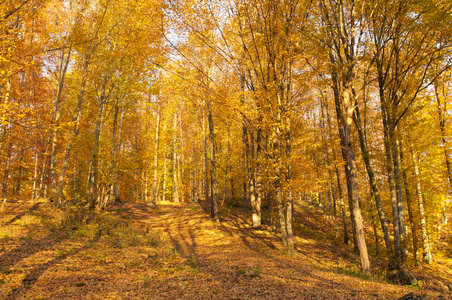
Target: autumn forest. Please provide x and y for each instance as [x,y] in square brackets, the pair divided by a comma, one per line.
[260,106]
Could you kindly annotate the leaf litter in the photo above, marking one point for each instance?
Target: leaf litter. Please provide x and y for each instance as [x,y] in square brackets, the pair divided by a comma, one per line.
[175,251]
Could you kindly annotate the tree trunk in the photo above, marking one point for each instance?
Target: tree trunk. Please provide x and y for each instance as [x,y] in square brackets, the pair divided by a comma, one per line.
[118,152]
[62,68]
[417,259]
[164,178]
[425,239]
[373,185]
[213,184]
[342,205]
[338,178]
[345,107]
[156,158]
[19,173]
[374,224]
[257,213]
[93,183]
[207,207]
[6,171]
[35,174]
[392,186]
[75,129]
[442,126]
[400,210]
[250,154]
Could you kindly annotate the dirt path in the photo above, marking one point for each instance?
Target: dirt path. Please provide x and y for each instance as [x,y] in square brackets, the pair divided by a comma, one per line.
[133,251]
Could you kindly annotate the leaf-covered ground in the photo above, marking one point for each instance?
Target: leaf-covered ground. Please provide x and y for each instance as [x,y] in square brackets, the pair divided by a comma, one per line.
[175,251]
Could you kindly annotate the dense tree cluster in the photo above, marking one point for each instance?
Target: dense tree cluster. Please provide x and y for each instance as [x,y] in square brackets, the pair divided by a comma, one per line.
[260,104]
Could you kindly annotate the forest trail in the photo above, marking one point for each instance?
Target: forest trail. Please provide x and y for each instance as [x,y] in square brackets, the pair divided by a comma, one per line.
[174,251]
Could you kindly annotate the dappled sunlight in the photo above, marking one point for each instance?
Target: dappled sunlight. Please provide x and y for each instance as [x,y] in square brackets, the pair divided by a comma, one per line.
[172,251]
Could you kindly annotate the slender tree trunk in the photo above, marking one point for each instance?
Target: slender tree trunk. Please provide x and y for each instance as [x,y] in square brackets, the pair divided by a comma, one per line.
[62,68]
[213,184]
[180,161]
[414,234]
[425,239]
[392,188]
[257,213]
[226,169]
[7,169]
[19,173]
[113,163]
[342,205]
[332,194]
[442,126]
[35,174]
[247,193]
[164,178]
[75,129]
[374,223]
[156,158]
[250,154]
[118,152]
[207,208]
[400,210]
[373,185]
[75,175]
[282,174]
[175,158]
[93,186]
[345,107]
[175,183]
[338,178]
[43,174]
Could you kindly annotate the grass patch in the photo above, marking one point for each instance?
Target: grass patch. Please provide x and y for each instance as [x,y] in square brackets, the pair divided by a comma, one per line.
[354,271]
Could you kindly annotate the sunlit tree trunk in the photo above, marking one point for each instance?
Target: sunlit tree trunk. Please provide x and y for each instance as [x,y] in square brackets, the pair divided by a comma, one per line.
[9,152]
[118,152]
[75,129]
[61,69]
[344,111]
[35,174]
[400,208]
[156,158]
[373,184]
[257,213]
[207,207]
[213,184]
[427,254]
[412,220]
[337,174]
[164,178]
[391,179]
[93,183]
[442,125]
[18,182]
[250,160]
[175,159]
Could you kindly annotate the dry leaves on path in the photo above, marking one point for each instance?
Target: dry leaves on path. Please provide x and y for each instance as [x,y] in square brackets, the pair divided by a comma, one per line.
[174,251]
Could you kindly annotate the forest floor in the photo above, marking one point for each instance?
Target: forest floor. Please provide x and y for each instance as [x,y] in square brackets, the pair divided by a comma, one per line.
[175,251]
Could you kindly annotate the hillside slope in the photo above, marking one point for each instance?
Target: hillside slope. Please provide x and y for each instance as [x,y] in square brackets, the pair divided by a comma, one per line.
[175,251]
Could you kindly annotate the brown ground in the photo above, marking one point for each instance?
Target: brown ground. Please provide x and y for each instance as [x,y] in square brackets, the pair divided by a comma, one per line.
[133,251]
